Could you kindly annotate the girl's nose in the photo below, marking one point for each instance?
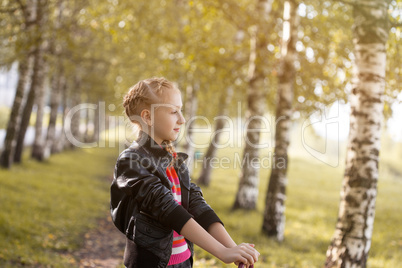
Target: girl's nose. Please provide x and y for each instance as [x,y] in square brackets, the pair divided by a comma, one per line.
[182,120]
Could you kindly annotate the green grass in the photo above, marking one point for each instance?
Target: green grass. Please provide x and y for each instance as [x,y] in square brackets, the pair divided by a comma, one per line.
[46,207]
[311,212]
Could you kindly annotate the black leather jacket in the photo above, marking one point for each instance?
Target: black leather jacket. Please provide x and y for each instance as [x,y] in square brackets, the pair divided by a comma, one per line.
[143,206]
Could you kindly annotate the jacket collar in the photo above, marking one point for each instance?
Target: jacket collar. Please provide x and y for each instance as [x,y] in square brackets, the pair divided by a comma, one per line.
[152,147]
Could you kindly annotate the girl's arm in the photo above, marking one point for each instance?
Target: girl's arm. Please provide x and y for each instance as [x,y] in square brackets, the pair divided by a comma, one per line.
[218,231]
[242,253]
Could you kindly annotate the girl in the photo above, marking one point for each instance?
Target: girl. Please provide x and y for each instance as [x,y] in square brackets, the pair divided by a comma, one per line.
[153,201]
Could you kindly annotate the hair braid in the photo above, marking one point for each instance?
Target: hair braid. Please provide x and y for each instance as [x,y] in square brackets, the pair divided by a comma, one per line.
[168,145]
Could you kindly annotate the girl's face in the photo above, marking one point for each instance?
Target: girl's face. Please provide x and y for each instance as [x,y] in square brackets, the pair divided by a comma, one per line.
[167,117]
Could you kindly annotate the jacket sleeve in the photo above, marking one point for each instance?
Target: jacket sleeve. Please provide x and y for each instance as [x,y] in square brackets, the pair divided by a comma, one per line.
[135,184]
[198,207]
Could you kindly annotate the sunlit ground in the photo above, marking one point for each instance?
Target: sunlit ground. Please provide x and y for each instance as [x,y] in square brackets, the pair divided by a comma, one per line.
[47,206]
[311,211]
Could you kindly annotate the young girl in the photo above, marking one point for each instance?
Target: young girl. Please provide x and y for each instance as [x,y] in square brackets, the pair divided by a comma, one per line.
[153,201]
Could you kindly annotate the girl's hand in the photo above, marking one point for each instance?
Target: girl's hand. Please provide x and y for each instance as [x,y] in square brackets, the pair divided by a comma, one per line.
[242,265]
[243,253]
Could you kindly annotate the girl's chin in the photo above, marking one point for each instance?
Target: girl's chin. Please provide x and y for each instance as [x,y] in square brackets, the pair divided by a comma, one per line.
[172,137]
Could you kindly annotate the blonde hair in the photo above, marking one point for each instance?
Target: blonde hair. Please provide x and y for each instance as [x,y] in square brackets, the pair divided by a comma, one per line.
[141,96]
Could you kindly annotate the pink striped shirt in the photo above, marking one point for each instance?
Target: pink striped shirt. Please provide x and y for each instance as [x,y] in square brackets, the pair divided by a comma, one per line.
[180,250]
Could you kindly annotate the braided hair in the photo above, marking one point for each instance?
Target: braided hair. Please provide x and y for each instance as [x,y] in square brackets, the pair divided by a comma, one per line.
[168,146]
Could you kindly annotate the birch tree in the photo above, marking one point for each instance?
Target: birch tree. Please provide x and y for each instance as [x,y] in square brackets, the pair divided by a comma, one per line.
[351,241]
[205,177]
[28,14]
[58,81]
[60,141]
[247,193]
[7,155]
[58,84]
[38,74]
[39,142]
[74,126]
[191,106]
[274,214]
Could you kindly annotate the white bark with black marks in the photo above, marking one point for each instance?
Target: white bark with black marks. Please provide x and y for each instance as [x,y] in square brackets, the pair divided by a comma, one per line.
[39,139]
[38,73]
[274,214]
[10,140]
[205,177]
[60,142]
[58,83]
[25,68]
[247,193]
[352,239]
[191,110]
[76,117]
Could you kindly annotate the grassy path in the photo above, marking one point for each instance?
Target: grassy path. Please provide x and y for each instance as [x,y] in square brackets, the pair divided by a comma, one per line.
[103,246]
[56,214]
[48,207]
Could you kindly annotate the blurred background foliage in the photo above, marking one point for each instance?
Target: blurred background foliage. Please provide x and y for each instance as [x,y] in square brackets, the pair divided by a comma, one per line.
[113,44]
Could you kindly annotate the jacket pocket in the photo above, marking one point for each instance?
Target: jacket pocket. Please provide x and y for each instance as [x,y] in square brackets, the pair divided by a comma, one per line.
[150,234]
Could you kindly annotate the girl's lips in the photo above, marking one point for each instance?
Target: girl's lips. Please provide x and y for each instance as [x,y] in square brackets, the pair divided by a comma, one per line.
[177,129]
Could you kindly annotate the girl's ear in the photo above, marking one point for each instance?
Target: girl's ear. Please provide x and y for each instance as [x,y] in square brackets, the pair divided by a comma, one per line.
[146,117]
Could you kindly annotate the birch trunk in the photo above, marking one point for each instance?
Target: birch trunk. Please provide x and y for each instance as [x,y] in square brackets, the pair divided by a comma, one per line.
[205,177]
[39,141]
[247,193]
[26,114]
[24,69]
[60,142]
[76,118]
[38,74]
[274,214]
[57,85]
[191,110]
[6,159]
[352,238]
[97,130]
[88,132]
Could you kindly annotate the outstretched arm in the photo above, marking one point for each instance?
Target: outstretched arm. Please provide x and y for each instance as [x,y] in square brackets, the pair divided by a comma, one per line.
[218,231]
[242,253]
